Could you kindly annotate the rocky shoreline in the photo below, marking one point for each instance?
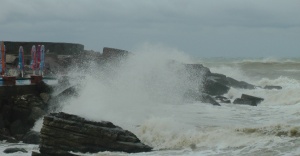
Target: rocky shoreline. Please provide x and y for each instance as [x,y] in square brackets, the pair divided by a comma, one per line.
[63,132]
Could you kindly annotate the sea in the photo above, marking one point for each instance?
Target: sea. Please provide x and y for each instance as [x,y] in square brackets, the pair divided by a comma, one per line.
[142,94]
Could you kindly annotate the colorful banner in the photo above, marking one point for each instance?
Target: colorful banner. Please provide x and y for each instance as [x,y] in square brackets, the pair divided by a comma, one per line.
[33,58]
[21,60]
[42,59]
[38,57]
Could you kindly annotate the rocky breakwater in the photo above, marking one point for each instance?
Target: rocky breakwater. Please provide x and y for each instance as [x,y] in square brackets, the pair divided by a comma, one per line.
[62,133]
[212,87]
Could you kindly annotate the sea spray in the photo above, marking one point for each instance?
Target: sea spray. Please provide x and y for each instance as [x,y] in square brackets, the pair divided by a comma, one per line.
[133,95]
[135,89]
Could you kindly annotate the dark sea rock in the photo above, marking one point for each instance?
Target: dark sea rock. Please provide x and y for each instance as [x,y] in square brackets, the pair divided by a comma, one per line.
[244,102]
[113,52]
[14,150]
[5,135]
[273,87]
[63,132]
[213,87]
[18,115]
[248,100]
[54,102]
[195,96]
[32,137]
[197,70]
[208,99]
[239,84]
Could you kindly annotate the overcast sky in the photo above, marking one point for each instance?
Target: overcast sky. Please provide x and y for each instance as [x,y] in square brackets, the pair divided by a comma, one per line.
[201,28]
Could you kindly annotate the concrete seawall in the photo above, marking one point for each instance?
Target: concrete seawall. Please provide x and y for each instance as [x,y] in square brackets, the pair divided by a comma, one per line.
[13,90]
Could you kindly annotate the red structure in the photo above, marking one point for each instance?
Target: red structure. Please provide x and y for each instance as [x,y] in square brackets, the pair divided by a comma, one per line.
[9,80]
[36,79]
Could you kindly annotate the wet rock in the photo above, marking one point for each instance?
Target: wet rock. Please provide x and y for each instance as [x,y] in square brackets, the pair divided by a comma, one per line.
[31,137]
[197,70]
[5,135]
[252,98]
[19,128]
[212,87]
[239,84]
[14,150]
[196,96]
[18,115]
[273,87]
[244,102]
[248,100]
[63,132]
[113,53]
[208,99]
[2,125]
[35,114]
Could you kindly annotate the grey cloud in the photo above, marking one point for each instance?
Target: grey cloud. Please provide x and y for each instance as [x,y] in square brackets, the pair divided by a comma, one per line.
[201,27]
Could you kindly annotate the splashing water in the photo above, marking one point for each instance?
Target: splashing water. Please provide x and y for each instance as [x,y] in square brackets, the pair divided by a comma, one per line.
[144,94]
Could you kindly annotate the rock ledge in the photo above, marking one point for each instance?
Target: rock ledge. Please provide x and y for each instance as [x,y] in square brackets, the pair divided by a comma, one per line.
[62,133]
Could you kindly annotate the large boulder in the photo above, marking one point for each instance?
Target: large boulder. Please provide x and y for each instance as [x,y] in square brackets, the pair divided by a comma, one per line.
[63,132]
[248,100]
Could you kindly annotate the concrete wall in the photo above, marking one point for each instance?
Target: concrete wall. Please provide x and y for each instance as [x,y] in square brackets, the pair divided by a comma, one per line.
[12,90]
[53,47]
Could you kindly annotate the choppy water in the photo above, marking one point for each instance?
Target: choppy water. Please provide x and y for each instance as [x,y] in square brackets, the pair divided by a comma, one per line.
[141,96]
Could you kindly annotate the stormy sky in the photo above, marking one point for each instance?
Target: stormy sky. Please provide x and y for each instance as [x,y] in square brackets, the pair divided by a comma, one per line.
[200,28]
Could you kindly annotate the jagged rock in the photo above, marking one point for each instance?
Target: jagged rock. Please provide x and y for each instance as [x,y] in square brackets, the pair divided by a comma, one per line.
[112,52]
[69,92]
[243,102]
[2,125]
[197,70]
[252,98]
[248,100]
[23,105]
[5,135]
[63,132]
[273,87]
[212,87]
[239,84]
[14,150]
[18,115]
[208,99]
[19,128]
[31,137]
[63,96]
[196,96]
[35,114]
